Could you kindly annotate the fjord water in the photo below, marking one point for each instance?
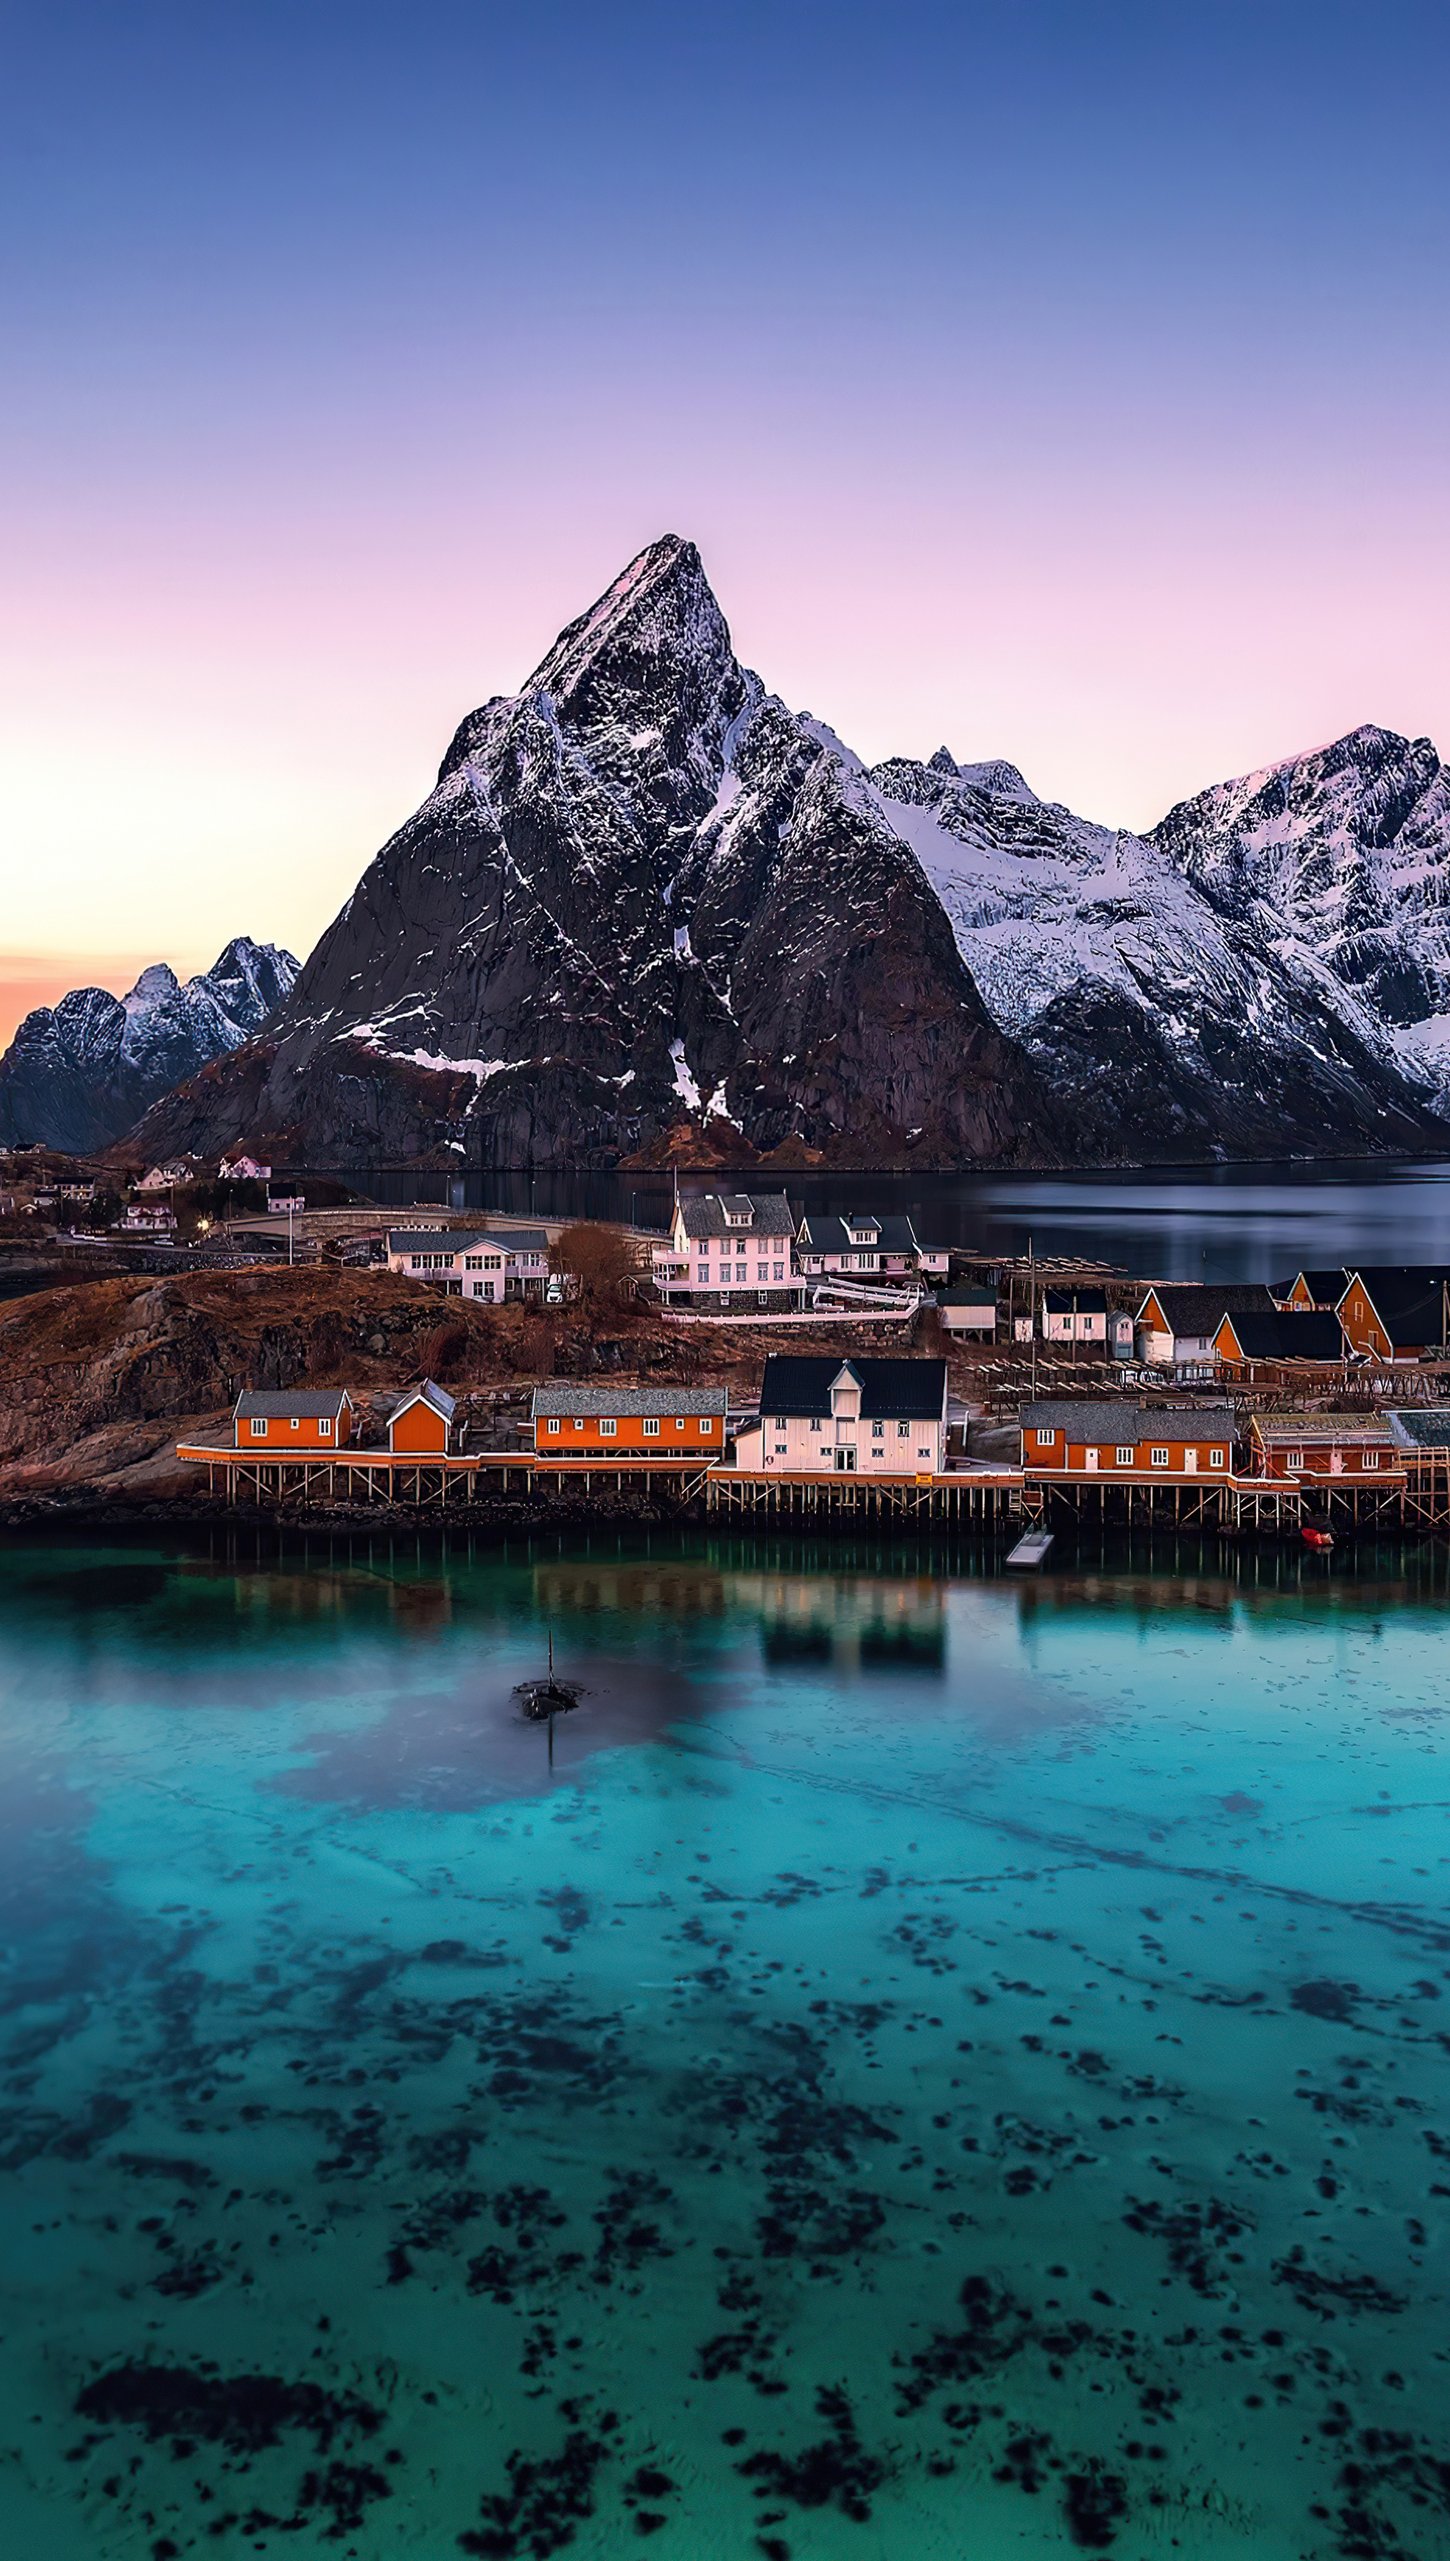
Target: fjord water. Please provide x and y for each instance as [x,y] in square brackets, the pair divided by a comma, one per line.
[936,2067]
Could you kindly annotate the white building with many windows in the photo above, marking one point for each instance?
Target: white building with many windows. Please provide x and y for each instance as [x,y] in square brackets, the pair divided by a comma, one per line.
[467,1263]
[860,1245]
[857,1417]
[730,1251]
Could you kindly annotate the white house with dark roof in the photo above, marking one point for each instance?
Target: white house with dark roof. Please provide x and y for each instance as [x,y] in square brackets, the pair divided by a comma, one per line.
[473,1263]
[866,1245]
[823,1415]
[730,1251]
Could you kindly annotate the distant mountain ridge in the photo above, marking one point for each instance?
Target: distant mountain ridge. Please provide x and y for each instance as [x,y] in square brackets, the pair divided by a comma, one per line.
[648,907]
[78,1074]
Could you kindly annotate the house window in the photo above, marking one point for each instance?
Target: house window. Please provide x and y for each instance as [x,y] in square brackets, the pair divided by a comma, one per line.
[578,1422]
[651,1427]
[816,1424]
[903,1431]
[1124,1456]
[703,1273]
[608,1428]
[324,1429]
[780,1449]
[1293,1459]
[780,1422]
[780,1271]
[706,1426]
[296,1423]
[878,1431]
[1215,1458]
[259,1427]
[553,1422]
[1158,1457]
[1044,1440]
[1369,1458]
[923,1453]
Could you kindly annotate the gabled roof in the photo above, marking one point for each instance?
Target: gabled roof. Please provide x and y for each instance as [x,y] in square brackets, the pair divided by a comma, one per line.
[703,1214]
[1086,1418]
[1325,1282]
[309,1404]
[902,1390]
[1086,1302]
[1410,1303]
[1195,1307]
[428,1392]
[829,1232]
[1278,1334]
[439,1240]
[562,1396]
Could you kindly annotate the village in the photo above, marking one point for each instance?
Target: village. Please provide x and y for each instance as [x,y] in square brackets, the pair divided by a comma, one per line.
[838,1365]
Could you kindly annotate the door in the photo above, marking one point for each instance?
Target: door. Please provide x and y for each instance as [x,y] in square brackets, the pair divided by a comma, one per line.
[1090,1461]
[845,1462]
[1190,1462]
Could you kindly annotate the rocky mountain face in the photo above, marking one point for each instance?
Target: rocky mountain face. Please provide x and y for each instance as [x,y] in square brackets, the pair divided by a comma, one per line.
[1340,861]
[646,896]
[78,1074]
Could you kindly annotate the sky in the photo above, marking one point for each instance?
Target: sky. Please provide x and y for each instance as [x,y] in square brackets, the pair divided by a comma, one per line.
[1069,383]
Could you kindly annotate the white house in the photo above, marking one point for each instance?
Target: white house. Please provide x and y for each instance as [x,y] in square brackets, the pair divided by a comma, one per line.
[148,1218]
[822,1415]
[164,1178]
[1178,1321]
[471,1263]
[1074,1316]
[870,1247]
[732,1251]
[285,1204]
[242,1169]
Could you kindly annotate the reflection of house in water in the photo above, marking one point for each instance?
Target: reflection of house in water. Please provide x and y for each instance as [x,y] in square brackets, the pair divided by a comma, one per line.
[847,1620]
[673,1587]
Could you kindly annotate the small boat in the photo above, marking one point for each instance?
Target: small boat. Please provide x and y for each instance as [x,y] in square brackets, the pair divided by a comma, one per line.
[1316,1537]
[1031,1548]
[550,1697]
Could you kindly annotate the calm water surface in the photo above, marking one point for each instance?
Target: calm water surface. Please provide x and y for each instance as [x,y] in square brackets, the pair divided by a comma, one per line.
[938,2067]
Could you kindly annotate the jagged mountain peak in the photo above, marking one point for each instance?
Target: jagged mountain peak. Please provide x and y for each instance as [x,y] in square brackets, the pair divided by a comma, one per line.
[661,607]
[152,988]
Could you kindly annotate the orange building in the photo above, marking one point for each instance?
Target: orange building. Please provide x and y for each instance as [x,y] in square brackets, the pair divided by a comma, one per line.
[1349,1448]
[292,1418]
[421,1423]
[1397,1314]
[634,1422]
[1085,1436]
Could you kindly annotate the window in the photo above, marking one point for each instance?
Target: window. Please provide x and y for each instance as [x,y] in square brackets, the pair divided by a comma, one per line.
[816,1424]
[259,1427]
[296,1423]
[780,1422]
[1158,1457]
[1369,1458]
[780,1271]
[1044,1440]
[679,1422]
[706,1426]
[780,1449]
[608,1428]
[651,1427]
[473,1262]
[878,1431]
[1125,1454]
[324,1428]
[903,1431]
[553,1422]
[578,1422]
[923,1453]
[1293,1459]
[703,1273]
[1215,1458]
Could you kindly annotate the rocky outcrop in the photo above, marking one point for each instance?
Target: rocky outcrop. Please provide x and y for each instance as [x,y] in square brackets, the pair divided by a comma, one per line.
[78,1074]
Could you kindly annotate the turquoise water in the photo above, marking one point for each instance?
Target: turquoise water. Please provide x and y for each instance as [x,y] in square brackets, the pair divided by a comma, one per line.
[938,2067]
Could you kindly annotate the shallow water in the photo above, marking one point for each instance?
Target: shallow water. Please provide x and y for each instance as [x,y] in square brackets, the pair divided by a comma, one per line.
[938,2067]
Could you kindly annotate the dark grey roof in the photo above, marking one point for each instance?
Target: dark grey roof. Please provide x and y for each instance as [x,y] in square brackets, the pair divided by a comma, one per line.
[562,1396]
[1195,1307]
[800,1384]
[1282,1334]
[964,1296]
[1087,1302]
[458,1240]
[431,1394]
[1086,1418]
[1421,1426]
[1409,1303]
[1326,1283]
[309,1404]
[703,1214]
[829,1232]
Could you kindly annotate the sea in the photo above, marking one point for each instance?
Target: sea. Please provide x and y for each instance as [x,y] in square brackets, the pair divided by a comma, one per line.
[917,2065]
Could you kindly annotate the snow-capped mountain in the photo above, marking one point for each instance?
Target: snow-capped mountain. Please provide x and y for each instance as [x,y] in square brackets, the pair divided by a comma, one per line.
[644,892]
[78,1074]
[1343,856]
